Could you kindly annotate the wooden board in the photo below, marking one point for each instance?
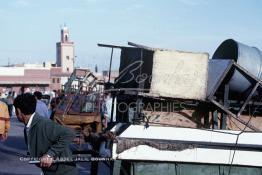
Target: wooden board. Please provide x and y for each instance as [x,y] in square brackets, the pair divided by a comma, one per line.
[78,119]
[181,75]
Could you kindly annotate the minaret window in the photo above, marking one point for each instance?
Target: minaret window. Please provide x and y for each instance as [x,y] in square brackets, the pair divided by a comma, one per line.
[67,69]
[67,57]
[66,38]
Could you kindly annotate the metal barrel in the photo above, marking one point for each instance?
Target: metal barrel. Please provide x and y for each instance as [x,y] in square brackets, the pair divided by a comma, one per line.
[248,57]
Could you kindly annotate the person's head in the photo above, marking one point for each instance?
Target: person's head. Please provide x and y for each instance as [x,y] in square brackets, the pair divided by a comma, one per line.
[107,95]
[25,105]
[22,89]
[62,92]
[38,95]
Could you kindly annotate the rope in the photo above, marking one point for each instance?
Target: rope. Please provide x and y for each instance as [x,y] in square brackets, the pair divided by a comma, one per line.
[251,116]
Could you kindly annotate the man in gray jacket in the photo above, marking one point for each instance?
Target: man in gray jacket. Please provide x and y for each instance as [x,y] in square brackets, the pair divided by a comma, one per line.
[46,140]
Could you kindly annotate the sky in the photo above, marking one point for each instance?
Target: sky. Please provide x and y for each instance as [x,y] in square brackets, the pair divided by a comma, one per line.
[29,29]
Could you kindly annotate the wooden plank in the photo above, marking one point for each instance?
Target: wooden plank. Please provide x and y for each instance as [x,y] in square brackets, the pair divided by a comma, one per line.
[77,119]
[215,120]
[216,155]
[180,145]
[223,124]
[175,134]
[142,46]
[112,46]
[110,65]
[248,99]
[181,75]
[234,116]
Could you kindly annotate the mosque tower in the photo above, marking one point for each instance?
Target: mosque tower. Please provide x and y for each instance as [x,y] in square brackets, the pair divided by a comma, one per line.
[65,52]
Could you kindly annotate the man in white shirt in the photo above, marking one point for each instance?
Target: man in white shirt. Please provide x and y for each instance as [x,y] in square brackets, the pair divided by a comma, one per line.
[41,107]
[107,109]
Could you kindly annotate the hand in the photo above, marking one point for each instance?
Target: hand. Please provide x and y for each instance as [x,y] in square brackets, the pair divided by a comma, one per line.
[3,137]
[46,161]
[104,121]
[110,135]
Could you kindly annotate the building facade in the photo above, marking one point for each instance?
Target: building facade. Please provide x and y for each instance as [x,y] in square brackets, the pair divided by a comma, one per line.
[42,77]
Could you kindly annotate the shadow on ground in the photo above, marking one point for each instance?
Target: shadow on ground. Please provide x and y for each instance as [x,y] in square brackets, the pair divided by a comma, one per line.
[15,142]
[12,174]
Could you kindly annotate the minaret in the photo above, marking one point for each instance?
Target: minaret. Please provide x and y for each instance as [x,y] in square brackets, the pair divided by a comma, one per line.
[65,52]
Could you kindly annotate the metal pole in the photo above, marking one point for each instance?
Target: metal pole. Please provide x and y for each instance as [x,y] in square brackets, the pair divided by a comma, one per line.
[223,124]
[112,51]
[215,120]
[112,108]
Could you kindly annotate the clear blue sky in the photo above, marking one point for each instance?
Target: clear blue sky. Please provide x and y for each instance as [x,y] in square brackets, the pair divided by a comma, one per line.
[29,29]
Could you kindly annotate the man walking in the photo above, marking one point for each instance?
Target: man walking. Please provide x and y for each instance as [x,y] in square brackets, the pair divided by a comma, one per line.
[41,107]
[45,139]
[10,101]
[4,121]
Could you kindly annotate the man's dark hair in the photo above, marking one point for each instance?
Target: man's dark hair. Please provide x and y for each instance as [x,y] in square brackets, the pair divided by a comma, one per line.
[22,89]
[26,103]
[38,95]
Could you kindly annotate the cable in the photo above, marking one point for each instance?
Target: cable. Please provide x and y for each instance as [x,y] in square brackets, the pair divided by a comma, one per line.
[234,123]
[204,129]
[229,171]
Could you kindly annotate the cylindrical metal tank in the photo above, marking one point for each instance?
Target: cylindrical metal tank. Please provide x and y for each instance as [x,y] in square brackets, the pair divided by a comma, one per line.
[248,57]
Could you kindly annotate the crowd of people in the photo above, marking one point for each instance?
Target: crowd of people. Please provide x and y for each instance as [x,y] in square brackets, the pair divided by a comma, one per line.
[45,106]
[44,109]
[46,140]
